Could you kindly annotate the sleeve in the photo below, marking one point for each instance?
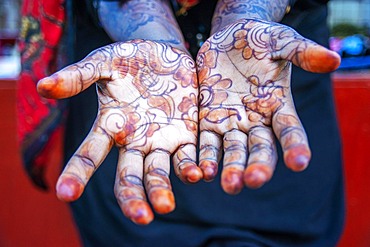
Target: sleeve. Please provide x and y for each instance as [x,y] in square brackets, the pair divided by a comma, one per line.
[307,4]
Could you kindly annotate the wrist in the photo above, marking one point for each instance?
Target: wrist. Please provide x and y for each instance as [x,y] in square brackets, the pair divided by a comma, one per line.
[230,11]
[149,20]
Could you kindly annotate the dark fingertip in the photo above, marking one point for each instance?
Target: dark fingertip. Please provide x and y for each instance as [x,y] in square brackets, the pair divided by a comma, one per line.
[335,61]
[232,181]
[46,87]
[257,174]
[254,179]
[138,212]
[68,189]
[209,169]
[163,200]
[298,163]
[191,173]
[297,158]
[321,60]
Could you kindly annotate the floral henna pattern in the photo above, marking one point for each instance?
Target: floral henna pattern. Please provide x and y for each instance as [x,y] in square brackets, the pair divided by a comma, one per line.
[244,75]
[144,19]
[242,87]
[227,11]
[148,108]
[143,97]
[161,104]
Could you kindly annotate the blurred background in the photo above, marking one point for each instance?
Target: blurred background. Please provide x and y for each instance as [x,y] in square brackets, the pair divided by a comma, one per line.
[30,217]
[350,31]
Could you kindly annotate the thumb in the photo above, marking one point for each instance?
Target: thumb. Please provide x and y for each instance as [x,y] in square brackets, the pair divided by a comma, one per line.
[287,44]
[75,78]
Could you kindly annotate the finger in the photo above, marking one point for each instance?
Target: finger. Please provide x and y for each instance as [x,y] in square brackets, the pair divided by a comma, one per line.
[293,139]
[129,188]
[83,164]
[184,161]
[262,157]
[74,78]
[235,159]
[287,44]
[209,154]
[157,182]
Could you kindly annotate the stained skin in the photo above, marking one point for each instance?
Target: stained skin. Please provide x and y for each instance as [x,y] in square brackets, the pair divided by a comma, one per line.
[245,100]
[148,108]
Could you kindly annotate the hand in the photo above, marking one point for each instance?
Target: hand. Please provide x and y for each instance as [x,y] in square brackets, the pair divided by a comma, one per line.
[148,108]
[244,75]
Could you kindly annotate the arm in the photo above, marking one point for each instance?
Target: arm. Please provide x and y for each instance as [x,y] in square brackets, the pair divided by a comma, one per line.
[141,19]
[245,100]
[229,11]
[147,91]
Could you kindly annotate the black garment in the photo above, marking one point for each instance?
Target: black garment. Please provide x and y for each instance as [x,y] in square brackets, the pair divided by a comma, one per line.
[293,209]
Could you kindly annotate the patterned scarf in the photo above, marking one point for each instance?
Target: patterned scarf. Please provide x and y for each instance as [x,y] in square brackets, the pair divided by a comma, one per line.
[38,118]
[185,5]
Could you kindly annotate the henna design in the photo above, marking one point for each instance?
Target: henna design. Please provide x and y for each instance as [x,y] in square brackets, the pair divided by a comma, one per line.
[144,19]
[150,74]
[228,11]
[244,75]
[158,186]
[243,45]
[213,94]
[129,191]
[148,108]
[188,107]
[262,157]
[235,157]
[154,70]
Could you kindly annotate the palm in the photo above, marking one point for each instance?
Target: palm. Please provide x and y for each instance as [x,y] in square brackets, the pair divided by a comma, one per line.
[148,108]
[149,98]
[244,76]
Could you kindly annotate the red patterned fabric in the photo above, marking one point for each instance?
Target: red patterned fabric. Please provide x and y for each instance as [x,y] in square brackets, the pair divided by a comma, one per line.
[38,118]
[186,5]
[188,2]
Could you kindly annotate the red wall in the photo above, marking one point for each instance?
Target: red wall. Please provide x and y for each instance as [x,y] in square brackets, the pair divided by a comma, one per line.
[352,94]
[29,217]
